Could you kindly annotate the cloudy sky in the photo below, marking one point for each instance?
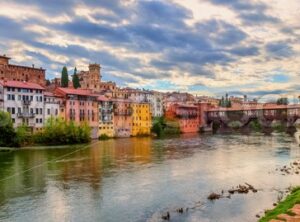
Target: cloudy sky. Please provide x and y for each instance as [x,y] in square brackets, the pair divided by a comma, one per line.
[201,46]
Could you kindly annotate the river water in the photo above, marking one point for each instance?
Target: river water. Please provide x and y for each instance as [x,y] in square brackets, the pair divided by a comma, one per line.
[139,179]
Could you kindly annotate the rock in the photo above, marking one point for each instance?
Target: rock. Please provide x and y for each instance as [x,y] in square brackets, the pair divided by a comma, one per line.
[214,196]
[166,216]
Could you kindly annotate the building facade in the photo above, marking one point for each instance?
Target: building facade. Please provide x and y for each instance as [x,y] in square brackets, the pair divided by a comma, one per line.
[122,117]
[81,106]
[141,119]
[24,101]
[106,117]
[52,106]
[186,115]
[9,72]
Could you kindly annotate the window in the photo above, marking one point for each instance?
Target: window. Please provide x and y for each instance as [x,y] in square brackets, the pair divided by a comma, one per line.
[36,120]
[41,111]
[48,111]
[37,111]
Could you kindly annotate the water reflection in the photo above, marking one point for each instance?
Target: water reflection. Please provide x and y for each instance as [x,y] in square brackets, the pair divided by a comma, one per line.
[136,179]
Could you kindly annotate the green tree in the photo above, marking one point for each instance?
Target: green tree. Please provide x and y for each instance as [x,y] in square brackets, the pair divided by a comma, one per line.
[7,132]
[282,101]
[75,80]
[64,77]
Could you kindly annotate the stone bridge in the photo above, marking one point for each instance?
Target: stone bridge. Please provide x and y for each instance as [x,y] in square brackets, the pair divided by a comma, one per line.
[266,115]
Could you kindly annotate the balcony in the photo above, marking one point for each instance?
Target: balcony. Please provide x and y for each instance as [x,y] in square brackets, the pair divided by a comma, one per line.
[26,115]
[26,102]
[123,113]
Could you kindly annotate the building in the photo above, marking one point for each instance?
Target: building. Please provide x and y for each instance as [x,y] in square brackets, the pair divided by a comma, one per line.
[141,119]
[122,117]
[137,95]
[81,106]
[52,106]
[106,117]
[91,79]
[186,115]
[24,101]
[21,73]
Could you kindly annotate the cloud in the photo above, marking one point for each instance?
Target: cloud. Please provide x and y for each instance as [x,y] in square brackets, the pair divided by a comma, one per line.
[148,41]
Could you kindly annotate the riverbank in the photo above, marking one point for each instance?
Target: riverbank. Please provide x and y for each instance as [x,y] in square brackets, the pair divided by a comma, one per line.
[284,209]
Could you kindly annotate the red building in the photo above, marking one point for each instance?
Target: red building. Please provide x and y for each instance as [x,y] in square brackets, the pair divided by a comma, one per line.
[21,73]
[81,106]
[186,115]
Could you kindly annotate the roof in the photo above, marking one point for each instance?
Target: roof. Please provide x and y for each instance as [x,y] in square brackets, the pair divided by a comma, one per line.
[50,94]
[102,98]
[80,92]
[20,84]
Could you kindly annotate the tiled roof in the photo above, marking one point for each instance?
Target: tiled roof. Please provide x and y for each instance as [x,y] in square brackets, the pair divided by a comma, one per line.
[20,84]
[102,98]
[80,92]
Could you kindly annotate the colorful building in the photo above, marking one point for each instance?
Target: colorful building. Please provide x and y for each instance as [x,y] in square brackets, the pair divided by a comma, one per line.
[106,117]
[122,117]
[24,101]
[186,115]
[81,106]
[141,119]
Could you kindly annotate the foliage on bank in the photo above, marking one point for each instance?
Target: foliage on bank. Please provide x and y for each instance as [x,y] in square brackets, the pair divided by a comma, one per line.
[55,132]
[60,132]
[162,127]
[284,206]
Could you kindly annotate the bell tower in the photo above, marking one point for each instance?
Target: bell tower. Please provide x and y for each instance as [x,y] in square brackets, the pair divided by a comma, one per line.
[94,72]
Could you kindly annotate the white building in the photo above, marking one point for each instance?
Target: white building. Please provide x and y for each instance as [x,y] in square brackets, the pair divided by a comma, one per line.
[153,97]
[52,105]
[24,101]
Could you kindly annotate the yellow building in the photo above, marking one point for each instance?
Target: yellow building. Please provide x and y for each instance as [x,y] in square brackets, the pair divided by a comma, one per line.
[141,119]
[106,117]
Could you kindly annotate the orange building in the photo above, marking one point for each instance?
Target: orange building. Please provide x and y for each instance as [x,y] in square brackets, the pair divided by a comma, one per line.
[81,106]
[122,117]
[186,115]
[21,73]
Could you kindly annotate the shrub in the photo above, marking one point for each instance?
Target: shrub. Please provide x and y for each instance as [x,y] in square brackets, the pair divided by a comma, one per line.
[104,137]
[7,132]
[59,132]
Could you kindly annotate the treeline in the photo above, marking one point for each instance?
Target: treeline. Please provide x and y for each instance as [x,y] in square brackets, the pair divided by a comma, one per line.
[55,132]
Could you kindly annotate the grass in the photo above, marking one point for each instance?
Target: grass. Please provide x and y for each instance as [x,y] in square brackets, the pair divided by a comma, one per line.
[284,206]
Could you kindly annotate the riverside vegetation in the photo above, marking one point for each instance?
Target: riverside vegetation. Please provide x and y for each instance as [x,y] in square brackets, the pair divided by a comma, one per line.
[55,132]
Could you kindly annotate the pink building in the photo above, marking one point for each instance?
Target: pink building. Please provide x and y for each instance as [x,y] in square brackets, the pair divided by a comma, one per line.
[81,106]
[186,115]
[122,117]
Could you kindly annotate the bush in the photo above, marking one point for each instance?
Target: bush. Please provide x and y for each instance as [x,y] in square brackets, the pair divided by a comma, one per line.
[7,132]
[104,137]
[255,125]
[60,132]
[23,136]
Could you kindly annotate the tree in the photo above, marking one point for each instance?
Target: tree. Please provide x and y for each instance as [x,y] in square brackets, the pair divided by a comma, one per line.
[7,132]
[48,83]
[75,80]
[64,77]
[282,101]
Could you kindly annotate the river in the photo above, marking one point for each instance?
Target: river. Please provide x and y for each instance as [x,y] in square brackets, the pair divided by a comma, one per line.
[139,179]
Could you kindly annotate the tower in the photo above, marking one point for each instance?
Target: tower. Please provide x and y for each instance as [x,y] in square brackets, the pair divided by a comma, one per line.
[94,73]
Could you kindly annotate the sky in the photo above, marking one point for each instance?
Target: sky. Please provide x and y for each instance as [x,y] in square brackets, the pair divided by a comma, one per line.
[205,47]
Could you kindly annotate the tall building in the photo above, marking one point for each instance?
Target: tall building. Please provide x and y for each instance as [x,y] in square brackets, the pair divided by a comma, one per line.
[106,117]
[24,101]
[90,79]
[21,73]
[141,119]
